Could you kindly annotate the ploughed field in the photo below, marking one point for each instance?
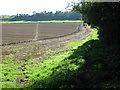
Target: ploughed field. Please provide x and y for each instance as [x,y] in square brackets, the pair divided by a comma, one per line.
[23,32]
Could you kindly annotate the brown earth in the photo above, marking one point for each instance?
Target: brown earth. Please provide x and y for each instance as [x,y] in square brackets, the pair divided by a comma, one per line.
[42,46]
[17,32]
[23,32]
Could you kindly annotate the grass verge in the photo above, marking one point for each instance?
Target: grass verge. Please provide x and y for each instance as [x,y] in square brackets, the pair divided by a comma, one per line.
[62,71]
[52,21]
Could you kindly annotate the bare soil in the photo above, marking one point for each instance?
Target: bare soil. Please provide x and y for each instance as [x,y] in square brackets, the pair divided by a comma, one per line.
[47,44]
[23,32]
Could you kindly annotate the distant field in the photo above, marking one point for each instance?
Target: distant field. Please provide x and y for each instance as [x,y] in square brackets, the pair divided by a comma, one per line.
[53,21]
[16,32]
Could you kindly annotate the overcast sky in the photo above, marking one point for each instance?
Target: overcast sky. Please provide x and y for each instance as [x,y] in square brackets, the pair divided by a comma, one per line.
[12,7]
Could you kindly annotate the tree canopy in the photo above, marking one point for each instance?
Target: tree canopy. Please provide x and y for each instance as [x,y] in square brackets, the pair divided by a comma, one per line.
[105,16]
[44,16]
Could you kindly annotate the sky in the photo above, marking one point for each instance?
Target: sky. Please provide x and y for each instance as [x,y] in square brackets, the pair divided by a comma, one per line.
[13,7]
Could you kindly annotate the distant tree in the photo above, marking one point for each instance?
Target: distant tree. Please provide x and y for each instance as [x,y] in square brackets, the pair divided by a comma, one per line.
[34,12]
[58,15]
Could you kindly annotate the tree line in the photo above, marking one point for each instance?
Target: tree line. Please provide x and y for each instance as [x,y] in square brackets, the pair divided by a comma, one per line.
[45,16]
[103,15]
[104,52]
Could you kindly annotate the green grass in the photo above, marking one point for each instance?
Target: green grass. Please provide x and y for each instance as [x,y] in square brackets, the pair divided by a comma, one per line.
[87,63]
[52,21]
[60,71]
[84,65]
[9,71]
[49,73]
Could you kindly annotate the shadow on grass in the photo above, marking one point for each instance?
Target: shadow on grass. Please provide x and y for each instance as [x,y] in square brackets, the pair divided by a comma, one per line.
[90,65]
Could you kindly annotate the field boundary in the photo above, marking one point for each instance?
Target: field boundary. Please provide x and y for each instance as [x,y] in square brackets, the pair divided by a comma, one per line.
[78,29]
[33,22]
